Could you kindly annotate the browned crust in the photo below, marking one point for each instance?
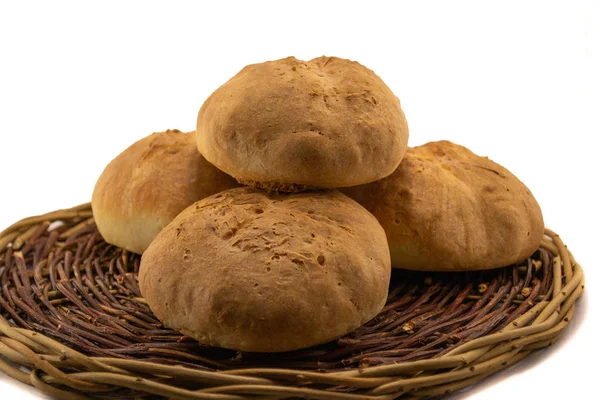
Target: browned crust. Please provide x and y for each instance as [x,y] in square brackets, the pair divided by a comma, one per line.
[260,272]
[327,122]
[445,208]
[148,184]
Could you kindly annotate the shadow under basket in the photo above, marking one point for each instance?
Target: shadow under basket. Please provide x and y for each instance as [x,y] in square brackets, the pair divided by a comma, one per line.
[74,325]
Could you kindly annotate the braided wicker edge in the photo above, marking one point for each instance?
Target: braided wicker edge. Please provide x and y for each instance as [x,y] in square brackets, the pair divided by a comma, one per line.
[64,373]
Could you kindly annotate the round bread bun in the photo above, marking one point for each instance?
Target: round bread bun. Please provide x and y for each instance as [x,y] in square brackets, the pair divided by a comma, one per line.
[148,184]
[261,272]
[447,209]
[289,125]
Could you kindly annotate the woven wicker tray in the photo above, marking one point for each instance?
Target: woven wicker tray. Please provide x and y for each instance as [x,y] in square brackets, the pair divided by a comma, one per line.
[74,325]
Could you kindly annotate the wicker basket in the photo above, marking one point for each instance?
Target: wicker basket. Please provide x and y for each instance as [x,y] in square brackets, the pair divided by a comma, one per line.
[74,325]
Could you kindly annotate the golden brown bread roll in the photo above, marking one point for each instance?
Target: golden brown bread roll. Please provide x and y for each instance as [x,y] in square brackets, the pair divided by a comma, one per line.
[290,124]
[263,272]
[148,184]
[448,209]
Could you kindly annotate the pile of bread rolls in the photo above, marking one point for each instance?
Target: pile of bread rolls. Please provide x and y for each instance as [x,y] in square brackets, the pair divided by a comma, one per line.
[275,225]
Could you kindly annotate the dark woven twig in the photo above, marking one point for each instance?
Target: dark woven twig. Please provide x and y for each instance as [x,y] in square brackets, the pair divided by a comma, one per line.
[62,285]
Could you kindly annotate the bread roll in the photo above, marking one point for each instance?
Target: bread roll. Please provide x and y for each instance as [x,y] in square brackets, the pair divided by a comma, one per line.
[148,184]
[290,124]
[448,209]
[263,272]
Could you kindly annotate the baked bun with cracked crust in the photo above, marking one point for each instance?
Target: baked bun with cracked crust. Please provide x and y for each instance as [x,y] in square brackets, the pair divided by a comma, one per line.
[447,209]
[261,272]
[148,184]
[289,125]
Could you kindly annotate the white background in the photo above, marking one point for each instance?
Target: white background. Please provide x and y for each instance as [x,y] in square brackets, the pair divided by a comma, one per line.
[514,80]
